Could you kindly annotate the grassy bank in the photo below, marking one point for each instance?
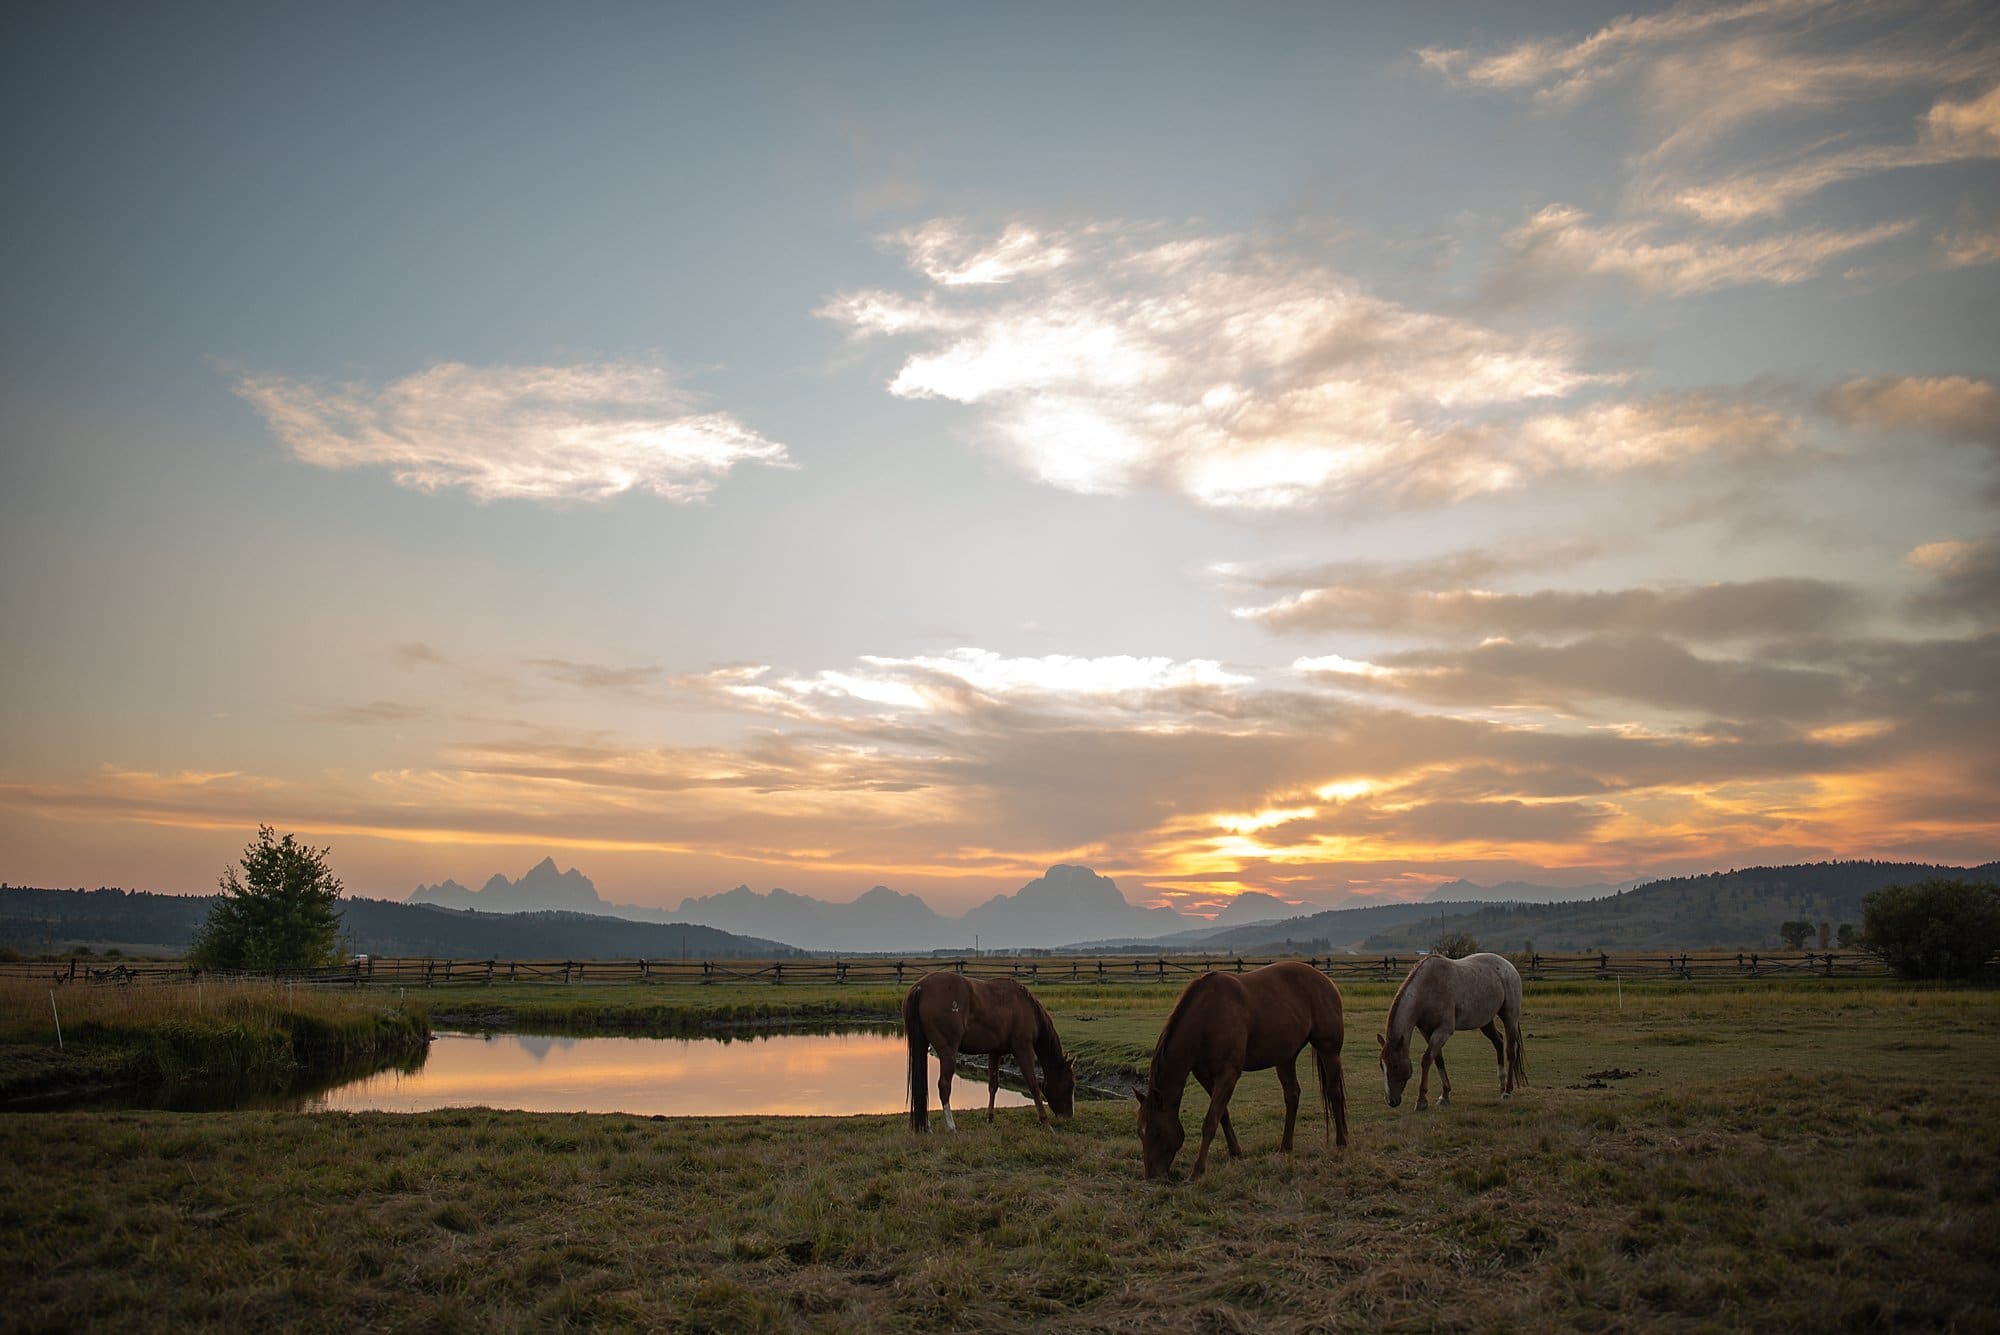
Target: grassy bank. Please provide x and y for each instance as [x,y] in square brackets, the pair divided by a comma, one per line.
[1780,1156]
[248,1033]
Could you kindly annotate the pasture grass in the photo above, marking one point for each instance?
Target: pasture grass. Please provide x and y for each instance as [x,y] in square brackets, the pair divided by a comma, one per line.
[1790,1156]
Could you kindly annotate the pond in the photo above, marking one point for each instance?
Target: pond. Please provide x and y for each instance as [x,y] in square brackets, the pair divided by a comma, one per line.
[828,1075]
[822,1075]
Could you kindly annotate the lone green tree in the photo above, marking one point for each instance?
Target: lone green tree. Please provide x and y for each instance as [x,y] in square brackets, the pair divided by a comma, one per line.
[278,915]
[1796,933]
[1940,928]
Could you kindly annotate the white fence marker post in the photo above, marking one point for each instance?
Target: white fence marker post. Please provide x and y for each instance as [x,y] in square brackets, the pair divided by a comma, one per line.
[58,1014]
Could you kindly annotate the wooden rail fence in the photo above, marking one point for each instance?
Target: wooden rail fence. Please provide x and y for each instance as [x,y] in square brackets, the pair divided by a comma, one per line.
[434,972]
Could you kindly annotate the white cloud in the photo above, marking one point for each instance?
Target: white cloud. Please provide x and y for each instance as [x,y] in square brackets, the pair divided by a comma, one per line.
[1066,674]
[1559,71]
[553,433]
[943,252]
[1614,437]
[1346,667]
[1952,131]
[1562,240]
[960,680]
[1210,366]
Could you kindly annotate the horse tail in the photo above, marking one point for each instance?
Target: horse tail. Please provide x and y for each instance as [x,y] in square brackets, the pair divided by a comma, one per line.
[1332,1093]
[1517,1066]
[913,1029]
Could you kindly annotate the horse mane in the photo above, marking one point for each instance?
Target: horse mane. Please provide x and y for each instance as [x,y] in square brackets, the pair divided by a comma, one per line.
[1395,1002]
[1048,1048]
[1173,1020]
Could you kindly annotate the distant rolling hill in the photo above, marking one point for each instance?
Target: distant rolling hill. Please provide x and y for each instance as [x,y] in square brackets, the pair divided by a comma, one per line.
[34,921]
[1331,929]
[1739,910]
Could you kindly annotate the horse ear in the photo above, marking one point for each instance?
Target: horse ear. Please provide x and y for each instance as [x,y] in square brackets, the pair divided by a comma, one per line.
[1381,1042]
[1138,1093]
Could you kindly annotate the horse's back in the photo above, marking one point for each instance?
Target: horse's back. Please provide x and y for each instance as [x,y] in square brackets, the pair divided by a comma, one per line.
[977,1014]
[1487,985]
[1290,1004]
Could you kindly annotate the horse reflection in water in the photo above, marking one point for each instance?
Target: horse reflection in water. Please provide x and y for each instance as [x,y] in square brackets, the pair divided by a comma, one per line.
[1440,997]
[994,1016]
[1225,1024]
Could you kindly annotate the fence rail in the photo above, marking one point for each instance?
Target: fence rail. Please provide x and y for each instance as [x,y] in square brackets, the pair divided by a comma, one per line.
[436,972]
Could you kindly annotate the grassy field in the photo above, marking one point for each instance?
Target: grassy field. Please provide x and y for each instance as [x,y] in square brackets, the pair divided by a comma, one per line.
[252,1032]
[1789,1155]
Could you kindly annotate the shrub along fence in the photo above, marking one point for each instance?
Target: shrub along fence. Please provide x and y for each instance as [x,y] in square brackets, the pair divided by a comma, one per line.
[364,971]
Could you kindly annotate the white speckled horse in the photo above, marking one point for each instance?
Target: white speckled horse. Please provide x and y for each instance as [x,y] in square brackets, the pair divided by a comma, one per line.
[1440,997]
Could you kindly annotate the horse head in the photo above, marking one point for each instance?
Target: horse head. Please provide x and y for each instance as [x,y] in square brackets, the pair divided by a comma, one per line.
[1160,1132]
[1061,1080]
[1395,1063]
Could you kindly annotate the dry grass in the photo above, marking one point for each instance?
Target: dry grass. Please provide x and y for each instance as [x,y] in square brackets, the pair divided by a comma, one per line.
[239,1029]
[1779,1157]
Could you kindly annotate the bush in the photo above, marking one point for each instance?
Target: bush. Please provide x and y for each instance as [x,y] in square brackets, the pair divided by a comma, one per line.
[1935,929]
[1455,945]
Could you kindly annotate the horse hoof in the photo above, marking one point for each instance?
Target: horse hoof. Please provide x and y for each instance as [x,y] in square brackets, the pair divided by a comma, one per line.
[1506,1093]
[1423,1105]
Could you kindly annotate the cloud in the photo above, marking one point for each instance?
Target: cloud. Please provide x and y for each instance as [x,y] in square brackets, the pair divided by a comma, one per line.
[1965,580]
[1560,71]
[1379,600]
[1744,110]
[1831,747]
[1103,360]
[596,677]
[1952,131]
[1581,677]
[958,683]
[1961,408]
[372,714]
[1963,247]
[548,433]
[1560,242]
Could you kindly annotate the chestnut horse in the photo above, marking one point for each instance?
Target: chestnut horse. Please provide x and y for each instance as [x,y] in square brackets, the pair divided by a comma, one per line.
[1440,997]
[1225,1024]
[994,1016]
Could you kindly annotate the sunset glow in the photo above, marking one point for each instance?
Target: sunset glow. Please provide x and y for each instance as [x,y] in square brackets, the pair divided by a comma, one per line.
[1549,447]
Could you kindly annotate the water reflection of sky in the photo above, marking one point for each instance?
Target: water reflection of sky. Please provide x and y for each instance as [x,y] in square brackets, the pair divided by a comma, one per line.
[801,1074]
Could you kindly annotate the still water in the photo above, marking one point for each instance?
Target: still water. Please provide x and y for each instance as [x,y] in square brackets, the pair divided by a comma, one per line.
[827,1075]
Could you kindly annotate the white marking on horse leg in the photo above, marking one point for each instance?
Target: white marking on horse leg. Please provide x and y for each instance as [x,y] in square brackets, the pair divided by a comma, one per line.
[949,1124]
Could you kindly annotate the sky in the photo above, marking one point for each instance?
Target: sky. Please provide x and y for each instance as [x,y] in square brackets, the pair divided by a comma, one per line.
[1324,450]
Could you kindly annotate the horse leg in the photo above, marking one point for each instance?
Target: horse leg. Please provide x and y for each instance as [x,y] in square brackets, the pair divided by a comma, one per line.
[1492,1030]
[1228,1127]
[947,1067]
[1444,1076]
[1288,1077]
[992,1083]
[1025,1059]
[1218,1112]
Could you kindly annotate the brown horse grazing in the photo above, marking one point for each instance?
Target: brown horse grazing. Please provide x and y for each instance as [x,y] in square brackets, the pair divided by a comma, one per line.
[1440,997]
[994,1016]
[1225,1024]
